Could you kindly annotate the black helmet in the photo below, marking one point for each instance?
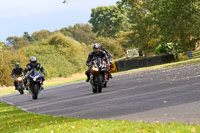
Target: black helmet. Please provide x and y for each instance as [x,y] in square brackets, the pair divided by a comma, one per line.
[33,59]
[17,64]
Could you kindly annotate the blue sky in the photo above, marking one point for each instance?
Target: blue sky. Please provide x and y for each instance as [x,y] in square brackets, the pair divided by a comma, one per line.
[18,16]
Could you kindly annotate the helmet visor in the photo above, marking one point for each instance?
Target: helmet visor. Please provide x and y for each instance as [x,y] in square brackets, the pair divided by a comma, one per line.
[96,50]
[33,62]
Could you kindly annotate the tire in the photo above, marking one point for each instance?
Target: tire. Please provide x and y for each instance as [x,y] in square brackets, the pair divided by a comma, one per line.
[94,86]
[94,90]
[21,91]
[99,83]
[105,84]
[34,97]
[34,89]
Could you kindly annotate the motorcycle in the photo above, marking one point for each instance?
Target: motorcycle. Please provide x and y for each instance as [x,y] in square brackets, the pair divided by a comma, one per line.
[98,78]
[34,81]
[20,84]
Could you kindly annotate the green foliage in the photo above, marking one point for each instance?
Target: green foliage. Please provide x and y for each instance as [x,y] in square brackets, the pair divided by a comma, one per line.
[160,49]
[112,46]
[28,37]
[176,21]
[18,42]
[7,61]
[3,47]
[108,21]
[41,35]
[80,32]
[60,56]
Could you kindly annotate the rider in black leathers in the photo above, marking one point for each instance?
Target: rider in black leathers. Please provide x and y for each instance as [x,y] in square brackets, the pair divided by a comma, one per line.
[96,53]
[109,57]
[34,64]
[17,71]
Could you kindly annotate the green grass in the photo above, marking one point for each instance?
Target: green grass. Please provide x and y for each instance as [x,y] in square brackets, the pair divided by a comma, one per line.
[13,120]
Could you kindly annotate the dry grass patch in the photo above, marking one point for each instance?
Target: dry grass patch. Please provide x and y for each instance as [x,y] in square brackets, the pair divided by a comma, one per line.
[7,90]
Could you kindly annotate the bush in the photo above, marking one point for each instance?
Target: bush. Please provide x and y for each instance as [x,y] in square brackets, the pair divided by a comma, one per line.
[112,46]
[61,56]
[7,61]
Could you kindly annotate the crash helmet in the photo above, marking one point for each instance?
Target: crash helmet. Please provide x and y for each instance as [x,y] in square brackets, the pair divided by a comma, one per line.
[17,64]
[33,60]
[96,48]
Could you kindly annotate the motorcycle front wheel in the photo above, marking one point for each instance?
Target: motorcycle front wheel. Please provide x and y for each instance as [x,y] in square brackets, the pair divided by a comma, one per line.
[99,83]
[21,91]
[34,89]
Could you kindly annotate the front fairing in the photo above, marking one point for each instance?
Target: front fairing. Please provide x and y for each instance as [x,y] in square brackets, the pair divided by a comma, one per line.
[98,65]
[35,77]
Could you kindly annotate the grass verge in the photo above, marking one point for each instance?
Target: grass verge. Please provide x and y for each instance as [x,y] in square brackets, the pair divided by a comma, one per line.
[13,120]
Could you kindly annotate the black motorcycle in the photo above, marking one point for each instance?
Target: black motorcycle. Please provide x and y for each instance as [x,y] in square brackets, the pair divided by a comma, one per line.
[20,84]
[98,75]
[34,82]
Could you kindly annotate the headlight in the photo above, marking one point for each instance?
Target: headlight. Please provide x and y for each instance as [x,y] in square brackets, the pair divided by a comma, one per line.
[19,78]
[95,69]
[34,79]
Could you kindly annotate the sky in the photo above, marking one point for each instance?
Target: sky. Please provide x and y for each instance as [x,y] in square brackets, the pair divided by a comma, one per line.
[19,16]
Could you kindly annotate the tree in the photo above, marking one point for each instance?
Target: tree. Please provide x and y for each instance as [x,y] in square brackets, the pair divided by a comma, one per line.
[18,42]
[40,35]
[176,21]
[113,46]
[26,36]
[108,21]
[80,32]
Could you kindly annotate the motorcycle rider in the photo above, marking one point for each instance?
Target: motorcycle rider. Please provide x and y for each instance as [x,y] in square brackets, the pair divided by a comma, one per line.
[109,58]
[17,71]
[96,53]
[34,64]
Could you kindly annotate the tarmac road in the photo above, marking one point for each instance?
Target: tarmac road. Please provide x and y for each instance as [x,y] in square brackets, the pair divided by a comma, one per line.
[164,95]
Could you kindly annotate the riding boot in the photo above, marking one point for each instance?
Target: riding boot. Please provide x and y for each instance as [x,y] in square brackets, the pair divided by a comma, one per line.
[110,75]
[87,73]
[15,84]
[42,88]
[88,79]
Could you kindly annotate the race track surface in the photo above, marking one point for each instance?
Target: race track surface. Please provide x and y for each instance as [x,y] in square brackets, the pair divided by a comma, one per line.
[164,95]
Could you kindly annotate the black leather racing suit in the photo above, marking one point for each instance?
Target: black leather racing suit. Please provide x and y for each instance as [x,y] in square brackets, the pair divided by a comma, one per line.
[36,65]
[16,72]
[100,54]
[109,57]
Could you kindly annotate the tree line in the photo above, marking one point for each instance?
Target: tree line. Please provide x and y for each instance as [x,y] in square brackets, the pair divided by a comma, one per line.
[62,52]
[151,25]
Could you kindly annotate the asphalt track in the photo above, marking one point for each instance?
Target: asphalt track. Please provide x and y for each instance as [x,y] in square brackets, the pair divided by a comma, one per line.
[164,95]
